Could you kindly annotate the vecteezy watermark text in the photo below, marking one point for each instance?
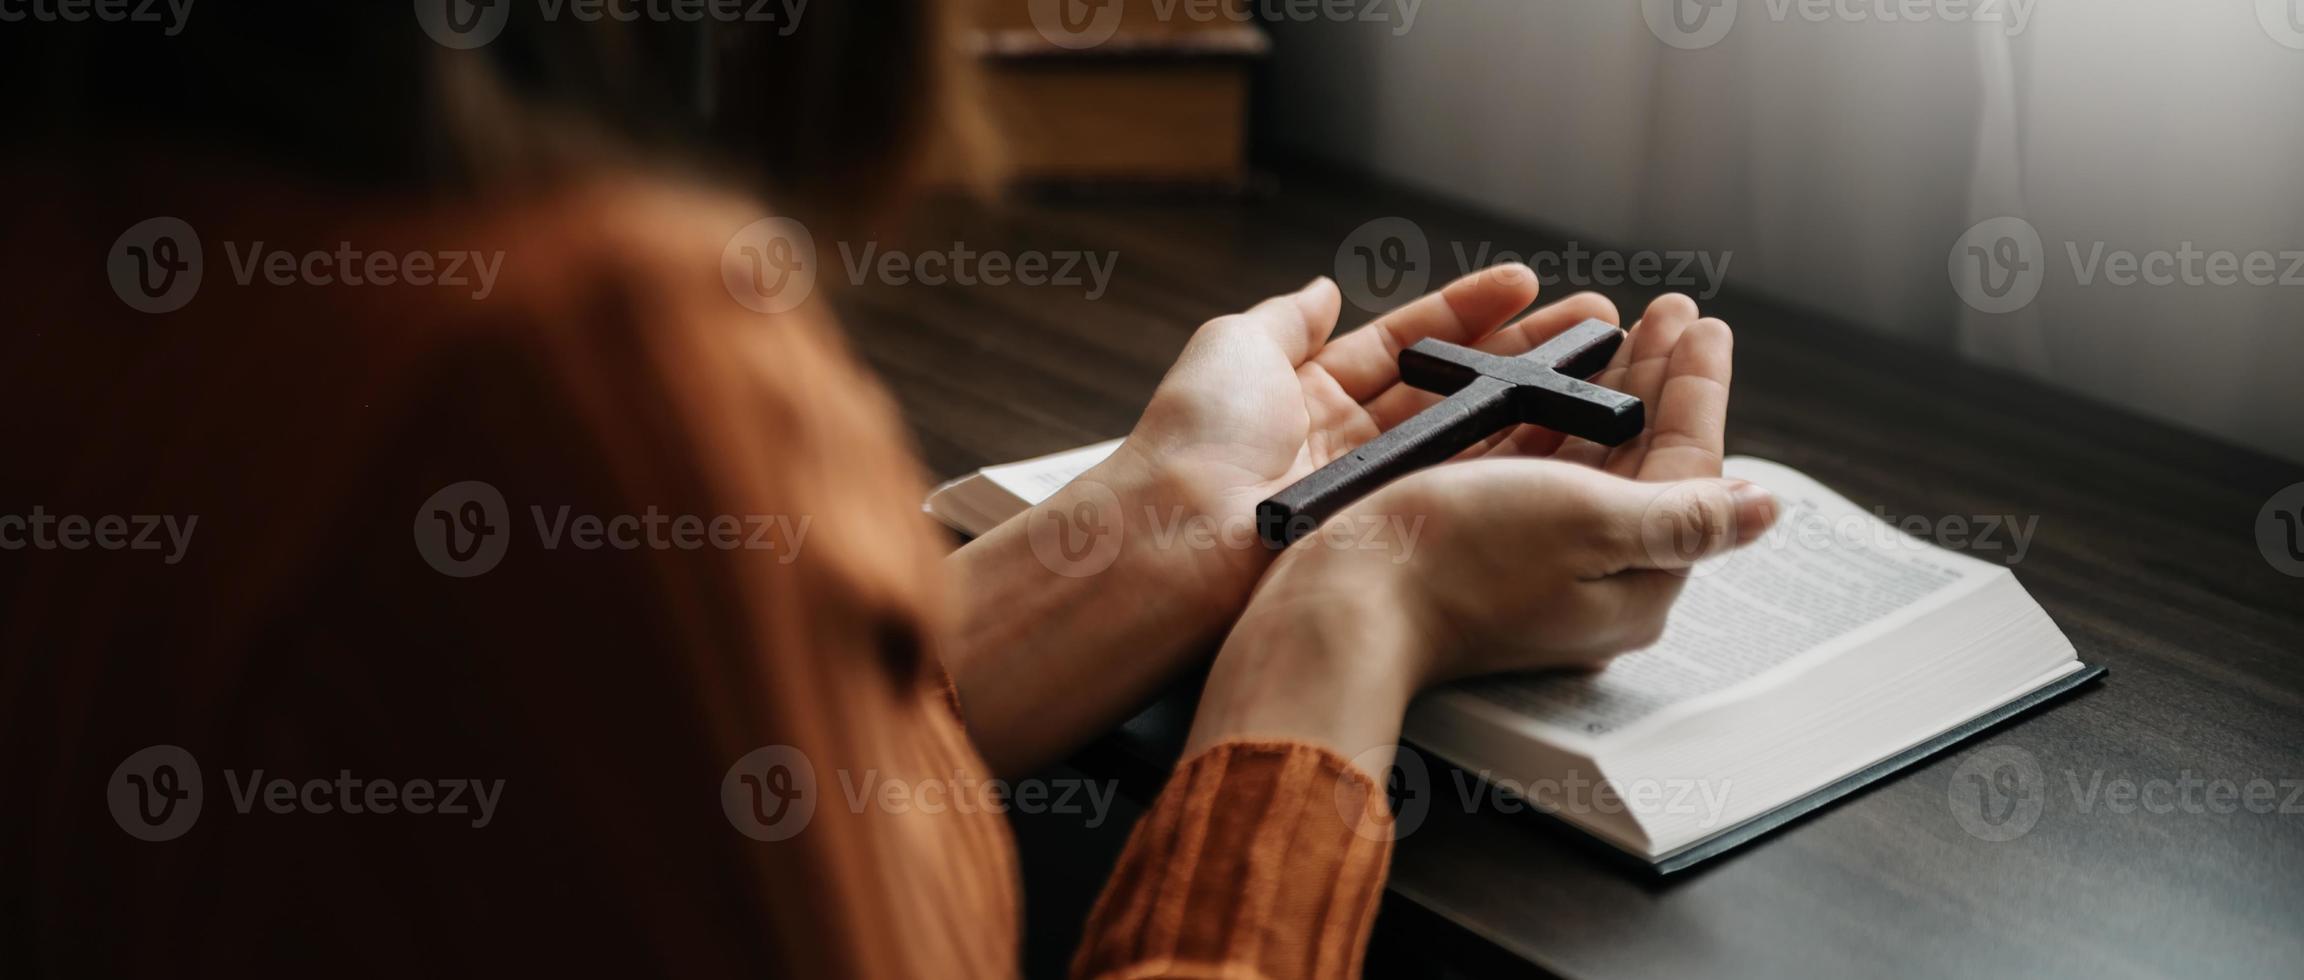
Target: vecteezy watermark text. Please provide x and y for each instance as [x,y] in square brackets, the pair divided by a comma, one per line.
[172,13]
[1694,24]
[2000,792]
[2000,264]
[158,793]
[2005,538]
[963,266]
[1407,782]
[346,265]
[1086,533]
[770,266]
[772,793]
[465,529]
[466,24]
[1577,793]
[157,266]
[40,530]
[1388,261]
[1081,24]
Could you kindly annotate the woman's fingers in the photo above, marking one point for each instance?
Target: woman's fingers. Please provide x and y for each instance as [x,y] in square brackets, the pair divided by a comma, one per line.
[1366,362]
[1599,556]
[1671,526]
[1522,337]
[1391,407]
[1299,322]
[1688,425]
[1651,349]
[1549,322]
[1637,370]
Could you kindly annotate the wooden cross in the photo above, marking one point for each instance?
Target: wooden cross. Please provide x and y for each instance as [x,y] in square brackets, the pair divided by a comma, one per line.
[1486,393]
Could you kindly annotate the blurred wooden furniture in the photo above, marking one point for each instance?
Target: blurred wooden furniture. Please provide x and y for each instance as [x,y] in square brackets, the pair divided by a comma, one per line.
[1116,94]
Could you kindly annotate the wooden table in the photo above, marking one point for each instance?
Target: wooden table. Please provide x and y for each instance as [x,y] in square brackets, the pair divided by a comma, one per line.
[2145,554]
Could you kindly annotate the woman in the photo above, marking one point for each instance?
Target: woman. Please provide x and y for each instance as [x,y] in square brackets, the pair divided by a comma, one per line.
[313,685]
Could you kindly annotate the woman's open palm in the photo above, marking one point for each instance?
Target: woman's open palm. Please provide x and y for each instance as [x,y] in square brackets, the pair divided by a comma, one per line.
[1259,399]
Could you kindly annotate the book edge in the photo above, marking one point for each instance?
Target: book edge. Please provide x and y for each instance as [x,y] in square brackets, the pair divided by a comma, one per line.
[1698,852]
[1766,823]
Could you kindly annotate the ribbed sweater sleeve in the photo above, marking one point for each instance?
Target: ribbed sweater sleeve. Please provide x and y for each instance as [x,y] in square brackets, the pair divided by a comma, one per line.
[1260,859]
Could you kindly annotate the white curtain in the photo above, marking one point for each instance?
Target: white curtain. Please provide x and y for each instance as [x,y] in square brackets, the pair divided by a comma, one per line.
[1841,158]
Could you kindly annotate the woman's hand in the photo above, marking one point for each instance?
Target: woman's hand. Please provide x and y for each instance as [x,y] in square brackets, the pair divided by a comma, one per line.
[1260,399]
[1074,614]
[1495,564]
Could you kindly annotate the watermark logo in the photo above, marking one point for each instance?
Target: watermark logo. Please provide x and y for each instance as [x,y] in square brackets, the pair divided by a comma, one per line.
[2283,20]
[770,793]
[466,24]
[1997,794]
[1670,539]
[774,792]
[1407,787]
[1076,25]
[1689,24]
[1677,526]
[769,266]
[1081,24]
[1389,261]
[1998,265]
[155,793]
[1080,537]
[2280,530]
[155,265]
[464,529]
[347,265]
[1082,534]
[1384,263]
[463,24]
[1575,792]
[959,265]
[1692,24]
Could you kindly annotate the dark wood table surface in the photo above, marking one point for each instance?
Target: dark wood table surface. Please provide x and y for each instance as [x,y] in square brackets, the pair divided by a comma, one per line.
[2145,554]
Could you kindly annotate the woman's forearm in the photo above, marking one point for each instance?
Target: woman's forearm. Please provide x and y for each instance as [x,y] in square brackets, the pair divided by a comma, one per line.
[1330,665]
[1076,612]
[1275,824]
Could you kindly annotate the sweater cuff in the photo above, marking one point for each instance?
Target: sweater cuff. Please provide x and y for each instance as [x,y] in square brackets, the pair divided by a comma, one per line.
[1260,858]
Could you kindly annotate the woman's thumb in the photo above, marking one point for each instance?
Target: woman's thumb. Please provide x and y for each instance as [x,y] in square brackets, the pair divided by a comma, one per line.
[1686,522]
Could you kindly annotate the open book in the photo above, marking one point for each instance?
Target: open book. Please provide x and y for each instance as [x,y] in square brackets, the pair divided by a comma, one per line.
[1830,653]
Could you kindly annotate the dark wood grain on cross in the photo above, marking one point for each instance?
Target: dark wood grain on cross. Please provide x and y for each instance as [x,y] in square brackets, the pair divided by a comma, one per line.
[1485,394]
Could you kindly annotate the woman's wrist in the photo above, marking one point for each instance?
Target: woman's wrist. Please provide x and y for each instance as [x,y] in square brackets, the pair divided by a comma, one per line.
[1329,660]
[1077,612]
[1201,551]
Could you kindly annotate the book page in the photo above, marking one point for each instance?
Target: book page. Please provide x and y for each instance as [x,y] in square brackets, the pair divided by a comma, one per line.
[1826,573]
[1035,480]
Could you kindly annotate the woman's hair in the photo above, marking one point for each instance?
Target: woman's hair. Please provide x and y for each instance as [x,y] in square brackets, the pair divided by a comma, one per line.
[839,109]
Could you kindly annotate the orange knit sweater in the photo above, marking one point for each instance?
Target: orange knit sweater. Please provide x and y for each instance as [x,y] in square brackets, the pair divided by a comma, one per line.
[644,712]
